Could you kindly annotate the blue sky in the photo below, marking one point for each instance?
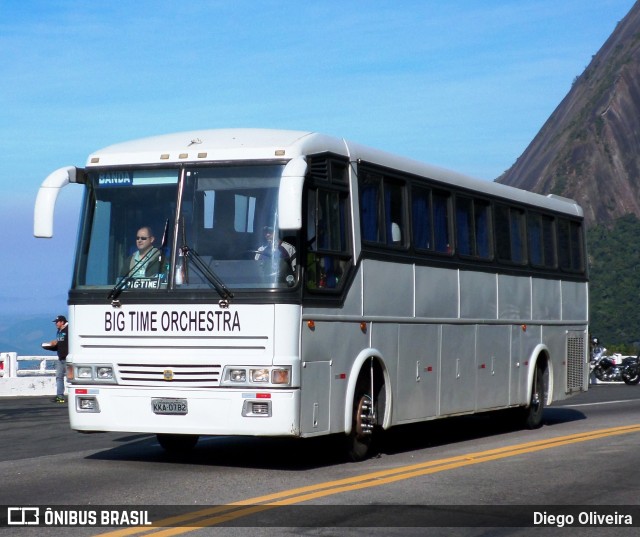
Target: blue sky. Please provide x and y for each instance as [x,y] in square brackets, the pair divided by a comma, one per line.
[464,84]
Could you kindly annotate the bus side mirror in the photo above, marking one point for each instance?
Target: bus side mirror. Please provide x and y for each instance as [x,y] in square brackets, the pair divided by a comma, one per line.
[47,196]
[290,195]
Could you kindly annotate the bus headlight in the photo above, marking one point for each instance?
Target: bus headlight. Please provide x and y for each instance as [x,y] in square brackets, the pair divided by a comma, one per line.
[259,375]
[104,372]
[84,372]
[91,374]
[238,375]
[264,376]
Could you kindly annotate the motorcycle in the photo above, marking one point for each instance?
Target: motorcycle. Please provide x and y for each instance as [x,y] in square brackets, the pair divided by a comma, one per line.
[605,368]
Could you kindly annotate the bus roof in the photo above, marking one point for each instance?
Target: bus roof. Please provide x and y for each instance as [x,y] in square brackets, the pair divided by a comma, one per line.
[264,144]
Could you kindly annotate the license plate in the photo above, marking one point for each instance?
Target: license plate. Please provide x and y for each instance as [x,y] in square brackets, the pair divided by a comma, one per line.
[169,406]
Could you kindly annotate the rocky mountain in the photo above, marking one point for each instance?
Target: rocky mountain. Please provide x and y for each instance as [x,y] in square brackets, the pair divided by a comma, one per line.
[589,148]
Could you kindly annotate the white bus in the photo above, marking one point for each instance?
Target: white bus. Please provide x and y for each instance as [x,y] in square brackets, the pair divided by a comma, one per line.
[303,285]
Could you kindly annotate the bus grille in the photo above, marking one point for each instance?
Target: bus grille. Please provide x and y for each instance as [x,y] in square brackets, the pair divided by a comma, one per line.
[183,375]
[575,361]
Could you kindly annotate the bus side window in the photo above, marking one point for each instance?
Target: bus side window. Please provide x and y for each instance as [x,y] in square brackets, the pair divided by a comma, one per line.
[534,236]
[421,215]
[503,239]
[473,227]
[441,221]
[394,212]
[516,228]
[577,257]
[549,242]
[542,241]
[464,229]
[509,228]
[382,211]
[327,243]
[370,208]
[569,245]
[482,227]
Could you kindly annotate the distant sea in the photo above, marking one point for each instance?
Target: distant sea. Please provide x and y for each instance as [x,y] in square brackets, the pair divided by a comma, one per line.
[23,334]
[35,364]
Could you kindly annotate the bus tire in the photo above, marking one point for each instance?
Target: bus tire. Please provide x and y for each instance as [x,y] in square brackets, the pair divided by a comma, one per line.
[532,414]
[177,444]
[360,440]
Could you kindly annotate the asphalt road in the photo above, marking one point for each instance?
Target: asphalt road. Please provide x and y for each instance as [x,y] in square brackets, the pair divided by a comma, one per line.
[480,472]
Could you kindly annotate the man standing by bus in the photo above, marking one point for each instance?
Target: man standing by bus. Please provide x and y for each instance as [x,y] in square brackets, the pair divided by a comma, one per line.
[61,346]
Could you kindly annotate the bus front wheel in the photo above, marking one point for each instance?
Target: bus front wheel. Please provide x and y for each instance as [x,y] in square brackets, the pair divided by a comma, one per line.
[360,439]
[177,444]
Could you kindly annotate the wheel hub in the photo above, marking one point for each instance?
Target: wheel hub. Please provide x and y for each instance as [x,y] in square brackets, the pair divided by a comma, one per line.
[365,416]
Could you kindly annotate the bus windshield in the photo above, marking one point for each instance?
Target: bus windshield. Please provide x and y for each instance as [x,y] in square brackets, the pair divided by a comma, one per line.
[226,223]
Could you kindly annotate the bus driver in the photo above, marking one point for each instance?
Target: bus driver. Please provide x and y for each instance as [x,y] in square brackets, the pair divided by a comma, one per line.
[272,247]
[145,251]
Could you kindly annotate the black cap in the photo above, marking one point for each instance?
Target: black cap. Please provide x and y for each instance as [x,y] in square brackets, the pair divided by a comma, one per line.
[60,318]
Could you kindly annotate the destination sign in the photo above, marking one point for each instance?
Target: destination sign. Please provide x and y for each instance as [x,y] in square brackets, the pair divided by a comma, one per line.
[114,178]
[119,178]
[204,320]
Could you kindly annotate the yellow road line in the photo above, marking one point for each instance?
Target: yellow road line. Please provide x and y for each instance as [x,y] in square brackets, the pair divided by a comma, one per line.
[242,508]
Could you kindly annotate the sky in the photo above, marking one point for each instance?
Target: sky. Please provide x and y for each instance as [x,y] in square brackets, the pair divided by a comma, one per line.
[463,84]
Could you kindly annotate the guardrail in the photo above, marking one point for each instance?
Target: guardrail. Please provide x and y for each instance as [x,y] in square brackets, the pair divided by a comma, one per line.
[26,375]
[10,365]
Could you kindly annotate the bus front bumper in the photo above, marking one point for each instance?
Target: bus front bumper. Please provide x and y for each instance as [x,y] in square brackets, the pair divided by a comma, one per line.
[217,411]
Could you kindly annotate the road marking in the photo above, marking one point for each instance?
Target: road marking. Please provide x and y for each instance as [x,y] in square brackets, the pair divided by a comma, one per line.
[221,514]
[600,403]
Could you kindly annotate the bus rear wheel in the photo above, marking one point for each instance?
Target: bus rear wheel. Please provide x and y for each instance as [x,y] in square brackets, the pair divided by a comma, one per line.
[532,415]
[177,444]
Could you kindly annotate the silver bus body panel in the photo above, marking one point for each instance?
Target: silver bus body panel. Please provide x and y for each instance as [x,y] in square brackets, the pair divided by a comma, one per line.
[455,341]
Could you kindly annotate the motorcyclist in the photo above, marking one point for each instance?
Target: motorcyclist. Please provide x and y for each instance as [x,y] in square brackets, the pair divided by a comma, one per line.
[596,350]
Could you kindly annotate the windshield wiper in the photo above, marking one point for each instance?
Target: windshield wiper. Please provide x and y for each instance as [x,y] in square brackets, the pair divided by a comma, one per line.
[122,283]
[224,292]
